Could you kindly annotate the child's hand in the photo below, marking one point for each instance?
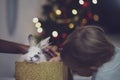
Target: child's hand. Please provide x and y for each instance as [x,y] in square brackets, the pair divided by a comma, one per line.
[53,53]
[55,59]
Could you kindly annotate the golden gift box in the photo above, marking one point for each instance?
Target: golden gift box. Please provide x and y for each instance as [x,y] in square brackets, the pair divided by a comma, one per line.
[41,71]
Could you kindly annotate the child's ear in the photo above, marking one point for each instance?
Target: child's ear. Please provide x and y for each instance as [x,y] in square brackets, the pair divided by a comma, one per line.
[44,43]
[31,39]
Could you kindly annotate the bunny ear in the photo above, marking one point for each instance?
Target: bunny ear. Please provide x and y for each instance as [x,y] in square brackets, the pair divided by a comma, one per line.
[31,40]
[44,43]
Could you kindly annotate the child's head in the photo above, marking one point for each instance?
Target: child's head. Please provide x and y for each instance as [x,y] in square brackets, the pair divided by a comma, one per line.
[85,48]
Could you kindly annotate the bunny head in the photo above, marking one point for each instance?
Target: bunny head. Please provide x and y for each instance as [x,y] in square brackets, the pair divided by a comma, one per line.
[35,53]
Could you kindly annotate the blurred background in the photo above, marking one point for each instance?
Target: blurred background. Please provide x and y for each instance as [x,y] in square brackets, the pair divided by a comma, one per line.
[55,18]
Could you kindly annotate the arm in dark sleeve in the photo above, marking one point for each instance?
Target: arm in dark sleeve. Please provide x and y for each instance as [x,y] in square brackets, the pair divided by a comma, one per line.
[12,47]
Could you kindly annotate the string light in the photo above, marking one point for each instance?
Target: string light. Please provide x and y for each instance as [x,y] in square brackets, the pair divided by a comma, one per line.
[58,12]
[84,21]
[40,30]
[54,33]
[35,20]
[38,25]
[71,25]
[76,18]
[74,11]
[94,1]
[81,2]
[96,17]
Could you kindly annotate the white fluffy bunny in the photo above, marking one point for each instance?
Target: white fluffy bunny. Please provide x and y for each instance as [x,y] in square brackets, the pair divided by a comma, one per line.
[35,53]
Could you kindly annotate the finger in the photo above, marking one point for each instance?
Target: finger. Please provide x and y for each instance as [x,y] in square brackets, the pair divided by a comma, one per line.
[51,60]
[55,59]
[54,53]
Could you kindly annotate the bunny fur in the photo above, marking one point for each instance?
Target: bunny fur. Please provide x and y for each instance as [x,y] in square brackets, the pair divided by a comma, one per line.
[35,53]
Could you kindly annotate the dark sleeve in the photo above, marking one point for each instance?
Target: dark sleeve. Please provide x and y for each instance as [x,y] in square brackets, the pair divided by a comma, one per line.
[12,47]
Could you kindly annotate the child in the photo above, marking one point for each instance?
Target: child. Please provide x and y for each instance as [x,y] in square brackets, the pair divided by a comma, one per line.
[88,52]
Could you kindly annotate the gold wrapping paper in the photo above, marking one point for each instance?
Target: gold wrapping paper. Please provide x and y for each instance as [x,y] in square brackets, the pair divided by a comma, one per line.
[42,71]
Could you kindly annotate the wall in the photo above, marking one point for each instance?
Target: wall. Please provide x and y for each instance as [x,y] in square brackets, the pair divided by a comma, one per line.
[26,10]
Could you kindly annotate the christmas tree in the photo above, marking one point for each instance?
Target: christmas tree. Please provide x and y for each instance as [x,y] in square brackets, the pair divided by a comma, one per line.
[63,16]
